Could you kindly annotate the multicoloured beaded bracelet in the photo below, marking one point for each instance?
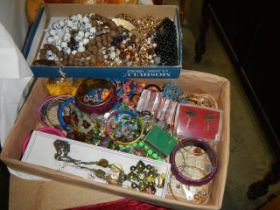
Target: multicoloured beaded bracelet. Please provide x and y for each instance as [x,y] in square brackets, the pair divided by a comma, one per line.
[124,127]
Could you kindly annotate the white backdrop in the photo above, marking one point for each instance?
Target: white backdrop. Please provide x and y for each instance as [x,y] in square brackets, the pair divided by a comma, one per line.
[13,17]
[15,74]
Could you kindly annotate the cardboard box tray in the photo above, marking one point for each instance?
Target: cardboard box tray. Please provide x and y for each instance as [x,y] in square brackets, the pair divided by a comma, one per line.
[190,81]
[51,12]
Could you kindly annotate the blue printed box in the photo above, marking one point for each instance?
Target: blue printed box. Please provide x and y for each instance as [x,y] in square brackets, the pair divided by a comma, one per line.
[54,12]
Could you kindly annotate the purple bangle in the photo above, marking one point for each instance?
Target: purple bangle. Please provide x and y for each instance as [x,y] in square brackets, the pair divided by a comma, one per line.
[211,154]
[44,105]
[40,108]
[99,108]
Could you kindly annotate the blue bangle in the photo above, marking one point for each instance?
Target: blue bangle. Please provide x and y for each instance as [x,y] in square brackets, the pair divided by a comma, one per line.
[60,113]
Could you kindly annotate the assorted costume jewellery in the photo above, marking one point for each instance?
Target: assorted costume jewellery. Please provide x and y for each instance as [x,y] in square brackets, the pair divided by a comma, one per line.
[95,40]
[160,122]
[142,177]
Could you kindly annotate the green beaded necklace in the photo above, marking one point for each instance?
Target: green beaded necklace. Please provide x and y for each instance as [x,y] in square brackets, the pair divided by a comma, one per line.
[150,152]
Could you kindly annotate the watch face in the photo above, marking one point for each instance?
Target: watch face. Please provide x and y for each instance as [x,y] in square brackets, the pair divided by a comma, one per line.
[198,122]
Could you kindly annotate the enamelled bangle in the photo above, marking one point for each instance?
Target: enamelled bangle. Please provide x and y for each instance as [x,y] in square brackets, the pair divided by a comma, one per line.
[92,87]
[211,154]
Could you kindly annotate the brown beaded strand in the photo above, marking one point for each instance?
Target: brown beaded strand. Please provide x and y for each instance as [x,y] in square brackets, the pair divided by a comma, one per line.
[111,45]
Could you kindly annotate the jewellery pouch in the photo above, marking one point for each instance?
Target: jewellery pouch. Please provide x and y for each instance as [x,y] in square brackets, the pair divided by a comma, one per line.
[189,81]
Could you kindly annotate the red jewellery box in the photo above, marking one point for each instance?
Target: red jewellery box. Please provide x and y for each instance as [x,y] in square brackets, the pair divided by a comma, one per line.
[198,122]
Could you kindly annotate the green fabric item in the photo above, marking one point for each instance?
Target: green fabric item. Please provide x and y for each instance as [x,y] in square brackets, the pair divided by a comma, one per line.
[161,140]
